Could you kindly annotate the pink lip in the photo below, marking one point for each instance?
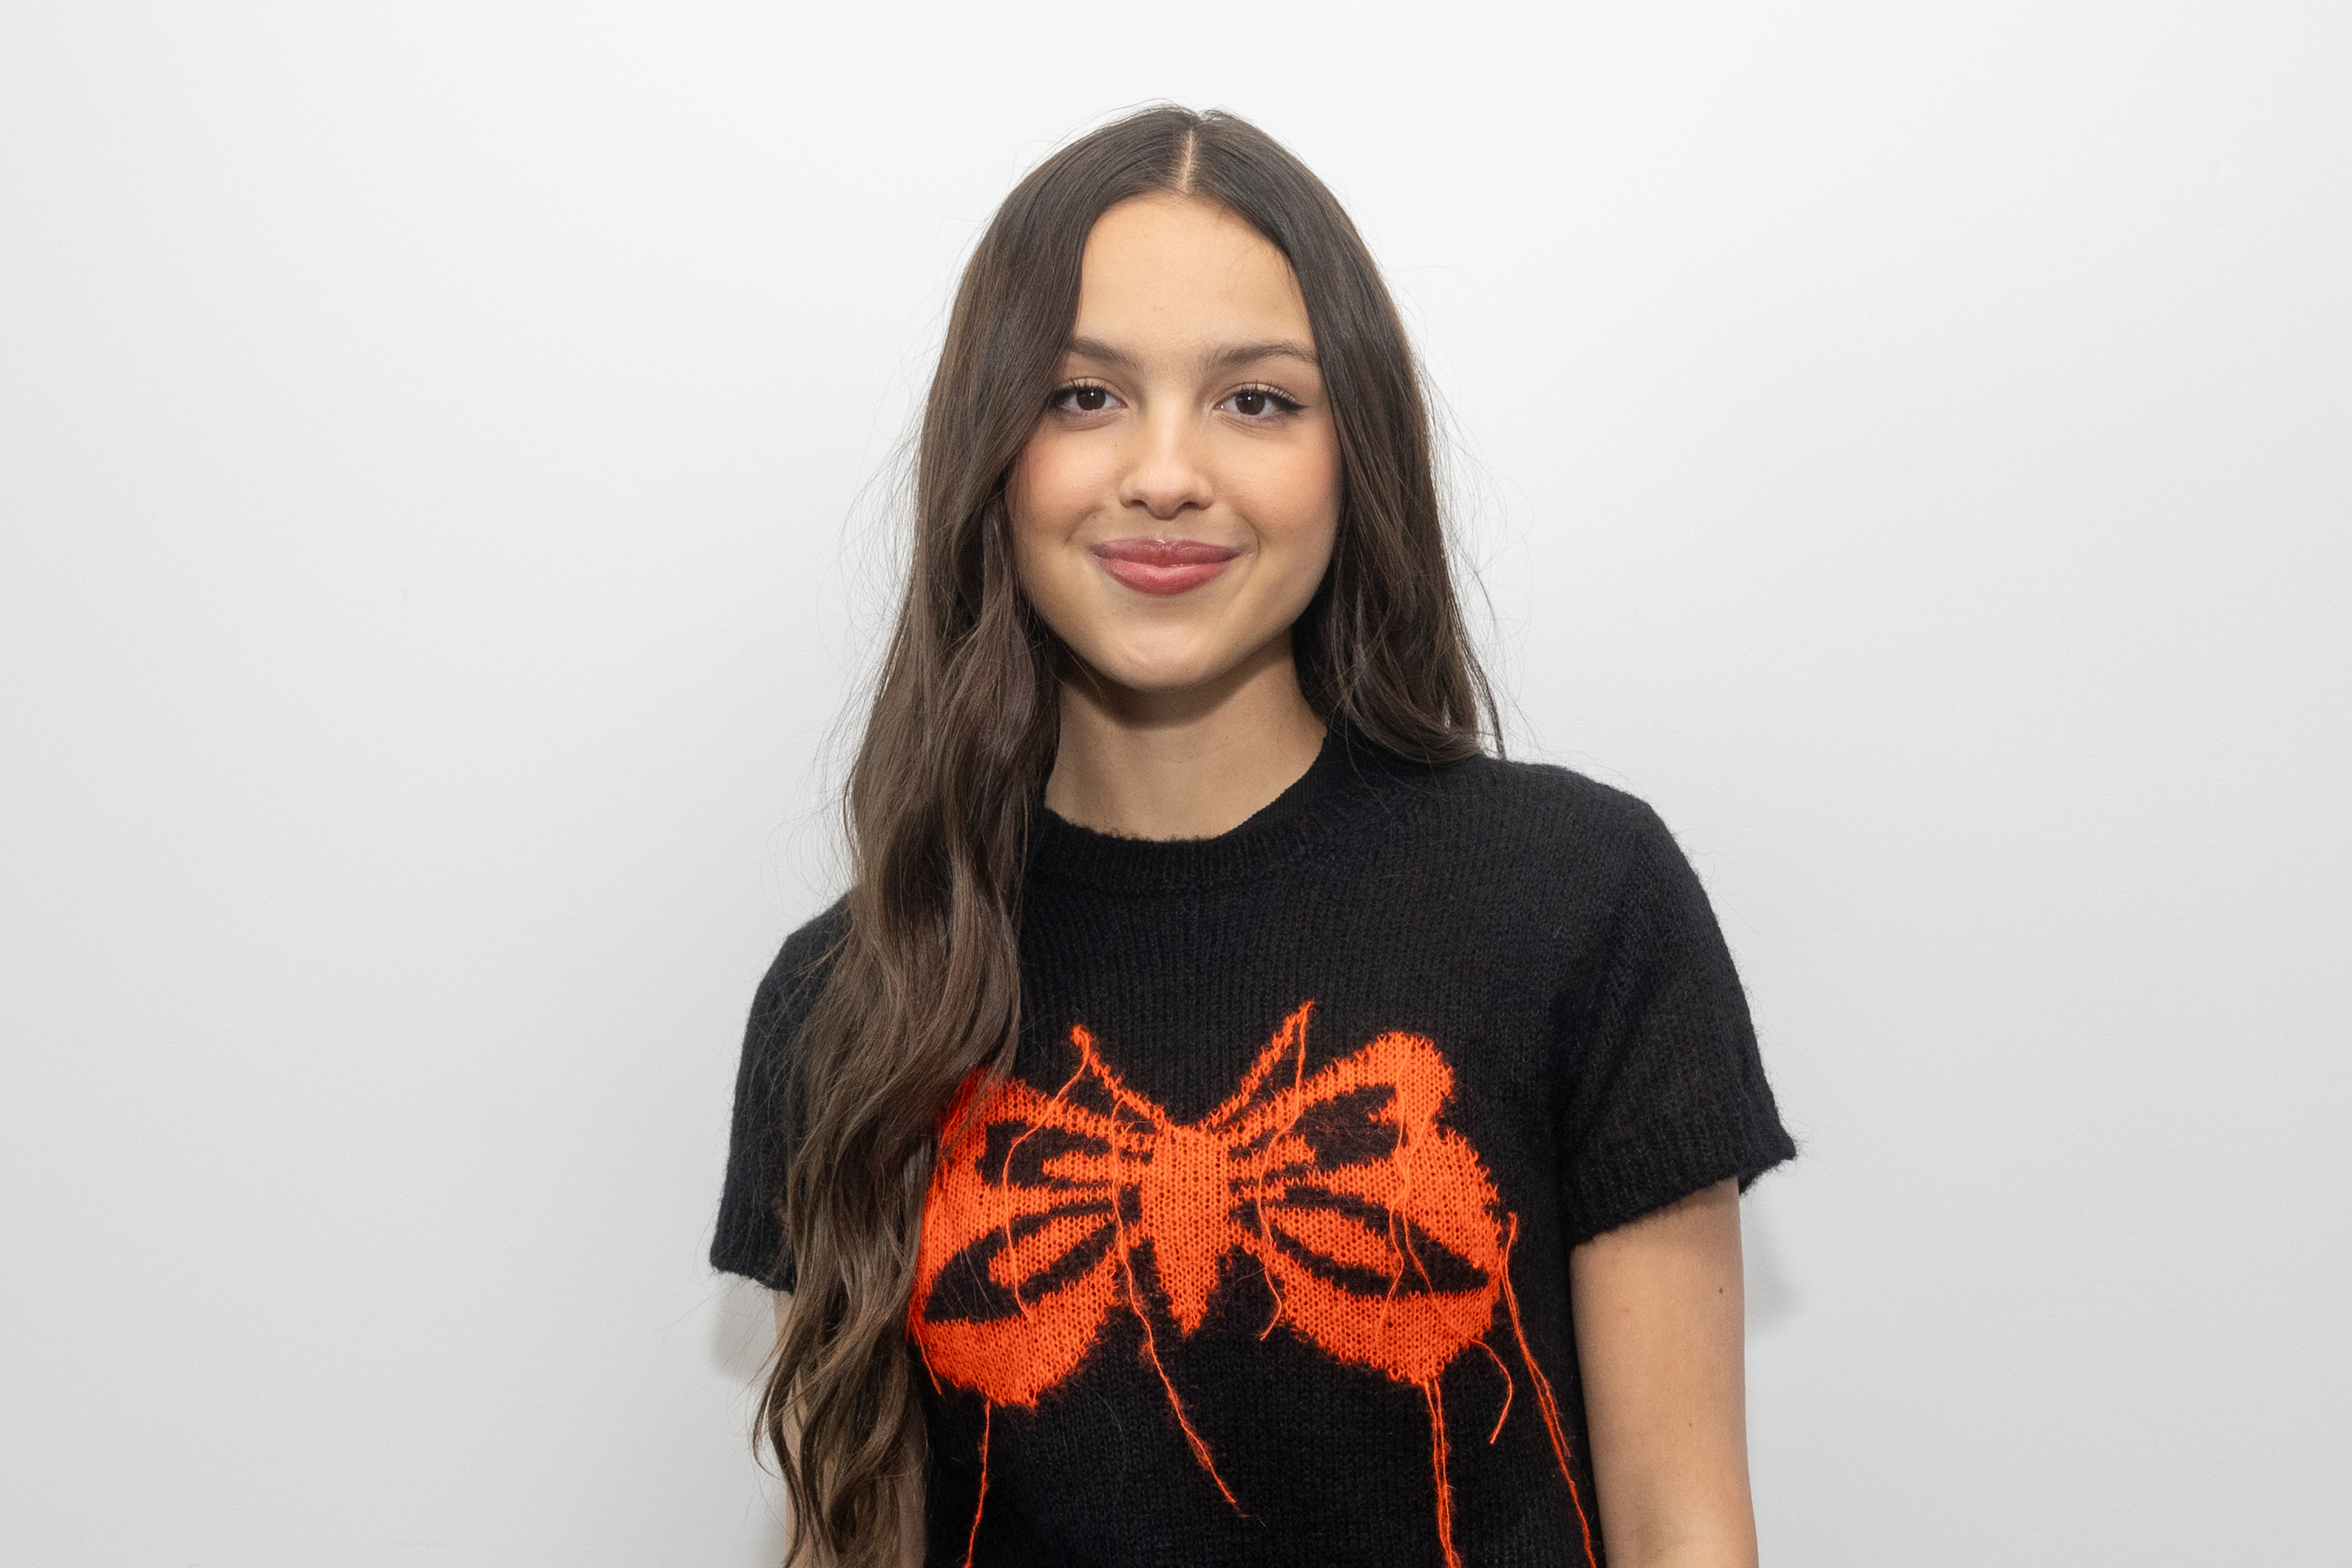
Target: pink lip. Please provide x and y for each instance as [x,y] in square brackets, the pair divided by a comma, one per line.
[1164,566]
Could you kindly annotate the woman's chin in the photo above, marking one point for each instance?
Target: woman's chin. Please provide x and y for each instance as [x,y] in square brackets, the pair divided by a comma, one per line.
[1167,673]
[1161,682]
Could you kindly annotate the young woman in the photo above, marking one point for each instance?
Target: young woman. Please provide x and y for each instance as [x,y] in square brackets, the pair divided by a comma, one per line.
[1231,1118]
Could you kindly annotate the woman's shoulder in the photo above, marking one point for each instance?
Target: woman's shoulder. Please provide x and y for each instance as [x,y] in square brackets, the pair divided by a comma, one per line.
[802,964]
[1522,807]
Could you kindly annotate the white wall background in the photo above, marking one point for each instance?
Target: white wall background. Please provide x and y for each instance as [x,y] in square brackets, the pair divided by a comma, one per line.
[1913,447]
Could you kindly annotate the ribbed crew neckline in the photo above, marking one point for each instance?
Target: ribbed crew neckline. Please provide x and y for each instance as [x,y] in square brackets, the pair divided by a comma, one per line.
[1316,807]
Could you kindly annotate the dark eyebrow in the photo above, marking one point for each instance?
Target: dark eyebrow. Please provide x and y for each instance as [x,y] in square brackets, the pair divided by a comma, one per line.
[1242,354]
[1226,359]
[1096,348]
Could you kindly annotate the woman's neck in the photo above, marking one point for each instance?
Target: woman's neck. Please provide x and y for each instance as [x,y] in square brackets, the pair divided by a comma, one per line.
[1183,765]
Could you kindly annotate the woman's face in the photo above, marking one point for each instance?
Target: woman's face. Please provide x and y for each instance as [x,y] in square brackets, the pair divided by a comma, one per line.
[1175,509]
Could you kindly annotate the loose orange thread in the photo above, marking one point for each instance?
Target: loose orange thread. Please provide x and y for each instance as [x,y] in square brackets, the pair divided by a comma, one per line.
[1544,1401]
[1445,1488]
[1505,1413]
[972,1541]
[1027,1230]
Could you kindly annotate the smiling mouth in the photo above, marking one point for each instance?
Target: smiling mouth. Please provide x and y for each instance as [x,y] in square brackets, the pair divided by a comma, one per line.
[1164,566]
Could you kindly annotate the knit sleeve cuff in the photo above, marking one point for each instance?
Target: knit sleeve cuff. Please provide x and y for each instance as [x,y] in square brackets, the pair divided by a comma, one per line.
[1670,1163]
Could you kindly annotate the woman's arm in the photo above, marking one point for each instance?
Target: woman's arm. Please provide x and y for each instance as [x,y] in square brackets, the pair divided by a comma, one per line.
[910,1485]
[1660,1332]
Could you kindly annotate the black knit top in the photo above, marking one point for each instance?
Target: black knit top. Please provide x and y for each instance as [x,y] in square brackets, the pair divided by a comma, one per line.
[1261,1256]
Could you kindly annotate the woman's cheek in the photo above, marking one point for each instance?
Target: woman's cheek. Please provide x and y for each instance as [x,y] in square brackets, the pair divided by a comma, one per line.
[1064,478]
[1049,501]
[1296,509]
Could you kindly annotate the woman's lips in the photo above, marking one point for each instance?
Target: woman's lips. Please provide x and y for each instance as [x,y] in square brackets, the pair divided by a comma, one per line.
[1164,566]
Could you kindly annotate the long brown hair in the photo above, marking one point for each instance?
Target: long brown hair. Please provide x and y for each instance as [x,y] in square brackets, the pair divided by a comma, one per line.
[924,984]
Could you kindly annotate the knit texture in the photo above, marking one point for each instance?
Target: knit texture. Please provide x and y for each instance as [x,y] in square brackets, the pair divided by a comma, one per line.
[1260,1256]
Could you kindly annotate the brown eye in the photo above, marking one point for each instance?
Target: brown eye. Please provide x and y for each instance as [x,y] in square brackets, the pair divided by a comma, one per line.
[1082,399]
[1261,405]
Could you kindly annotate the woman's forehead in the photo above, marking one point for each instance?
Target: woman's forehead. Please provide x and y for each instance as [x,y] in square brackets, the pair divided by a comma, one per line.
[1166,272]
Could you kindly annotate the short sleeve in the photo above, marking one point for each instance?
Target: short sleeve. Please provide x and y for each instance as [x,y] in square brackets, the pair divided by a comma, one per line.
[750,1240]
[1665,1091]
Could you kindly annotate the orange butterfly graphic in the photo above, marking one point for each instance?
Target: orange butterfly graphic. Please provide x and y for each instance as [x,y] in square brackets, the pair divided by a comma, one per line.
[1379,1230]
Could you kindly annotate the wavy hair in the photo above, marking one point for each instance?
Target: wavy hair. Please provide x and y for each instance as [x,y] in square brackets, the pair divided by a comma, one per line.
[924,985]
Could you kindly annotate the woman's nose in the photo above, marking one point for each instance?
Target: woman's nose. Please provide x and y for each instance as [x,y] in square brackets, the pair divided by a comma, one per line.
[1168,472]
